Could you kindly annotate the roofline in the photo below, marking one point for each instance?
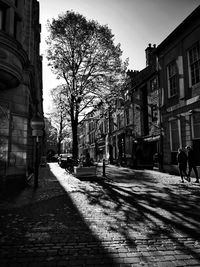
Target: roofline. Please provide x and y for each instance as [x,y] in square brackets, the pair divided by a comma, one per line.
[179,28]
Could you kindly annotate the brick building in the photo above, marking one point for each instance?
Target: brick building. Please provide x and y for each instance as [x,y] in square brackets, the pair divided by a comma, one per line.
[20,85]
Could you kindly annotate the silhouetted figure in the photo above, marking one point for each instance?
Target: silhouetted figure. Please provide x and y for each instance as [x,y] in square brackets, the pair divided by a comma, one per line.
[192,163]
[182,163]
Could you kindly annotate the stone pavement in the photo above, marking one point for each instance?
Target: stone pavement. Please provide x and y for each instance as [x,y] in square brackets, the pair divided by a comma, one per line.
[129,218]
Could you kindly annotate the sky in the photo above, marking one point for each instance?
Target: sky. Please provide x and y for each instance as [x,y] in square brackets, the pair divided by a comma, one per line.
[134,23]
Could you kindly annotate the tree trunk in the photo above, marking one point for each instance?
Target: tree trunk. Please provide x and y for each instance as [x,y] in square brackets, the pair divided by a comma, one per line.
[59,146]
[75,139]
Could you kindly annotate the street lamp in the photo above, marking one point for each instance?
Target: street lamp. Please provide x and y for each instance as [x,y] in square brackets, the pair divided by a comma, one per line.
[37,125]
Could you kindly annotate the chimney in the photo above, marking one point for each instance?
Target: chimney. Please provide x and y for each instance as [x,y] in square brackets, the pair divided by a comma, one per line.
[150,57]
[132,73]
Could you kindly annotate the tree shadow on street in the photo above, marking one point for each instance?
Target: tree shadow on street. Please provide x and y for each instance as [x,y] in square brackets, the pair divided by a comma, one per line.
[148,210]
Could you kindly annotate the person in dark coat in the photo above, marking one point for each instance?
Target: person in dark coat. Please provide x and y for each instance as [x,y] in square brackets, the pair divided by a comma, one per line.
[182,163]
[192,163]
[88,161]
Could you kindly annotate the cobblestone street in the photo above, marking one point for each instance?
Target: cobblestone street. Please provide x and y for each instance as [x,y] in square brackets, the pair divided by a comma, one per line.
[128,218]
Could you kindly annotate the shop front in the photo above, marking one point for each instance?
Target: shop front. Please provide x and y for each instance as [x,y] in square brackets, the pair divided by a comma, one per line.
[145,150]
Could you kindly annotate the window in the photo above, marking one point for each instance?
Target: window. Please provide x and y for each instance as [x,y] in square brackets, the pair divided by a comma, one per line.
[106,126]
[2,18]
[91,126]
[194,64]
[174,135]
[154,113]
[118,121]
[172,79]
[101,128]
[127,117]
[16,26]
[92,137]
[153,84]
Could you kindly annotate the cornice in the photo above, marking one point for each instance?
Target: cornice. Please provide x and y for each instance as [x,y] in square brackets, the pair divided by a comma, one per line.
[15,47]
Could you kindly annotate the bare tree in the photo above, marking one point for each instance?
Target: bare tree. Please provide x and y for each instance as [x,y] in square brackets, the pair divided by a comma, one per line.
[59,115]
[83,53]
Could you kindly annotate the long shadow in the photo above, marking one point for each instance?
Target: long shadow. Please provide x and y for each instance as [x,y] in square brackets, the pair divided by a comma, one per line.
[47,229]
[158,212]
[122,174]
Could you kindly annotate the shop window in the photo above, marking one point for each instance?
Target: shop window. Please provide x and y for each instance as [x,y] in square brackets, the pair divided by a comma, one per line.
[172,79]
[194,64]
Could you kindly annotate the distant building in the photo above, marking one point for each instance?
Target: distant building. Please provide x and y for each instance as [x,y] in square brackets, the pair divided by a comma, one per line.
[20,85]
[93,134]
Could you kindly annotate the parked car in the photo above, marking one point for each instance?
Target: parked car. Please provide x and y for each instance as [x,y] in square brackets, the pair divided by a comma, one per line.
[54,158]
[65,160]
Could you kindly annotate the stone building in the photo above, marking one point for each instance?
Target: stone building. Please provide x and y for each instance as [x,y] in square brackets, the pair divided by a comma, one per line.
[179,75]
[20,85]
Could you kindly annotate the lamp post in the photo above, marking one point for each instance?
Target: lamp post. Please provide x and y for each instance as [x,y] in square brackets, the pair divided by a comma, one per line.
[37,125]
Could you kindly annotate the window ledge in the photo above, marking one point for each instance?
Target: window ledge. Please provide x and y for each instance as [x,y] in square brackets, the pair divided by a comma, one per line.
[192,100]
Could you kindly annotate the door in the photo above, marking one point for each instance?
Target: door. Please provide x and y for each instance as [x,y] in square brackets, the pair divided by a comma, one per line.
[196,148]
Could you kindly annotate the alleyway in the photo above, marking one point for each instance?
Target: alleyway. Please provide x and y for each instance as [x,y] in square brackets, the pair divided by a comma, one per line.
[129,218]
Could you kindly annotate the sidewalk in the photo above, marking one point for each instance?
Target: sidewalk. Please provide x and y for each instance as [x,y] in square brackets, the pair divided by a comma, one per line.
[129,218]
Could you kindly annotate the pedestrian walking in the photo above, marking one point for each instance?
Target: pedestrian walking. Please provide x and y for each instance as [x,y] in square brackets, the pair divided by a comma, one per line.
[182,163]
[192,163]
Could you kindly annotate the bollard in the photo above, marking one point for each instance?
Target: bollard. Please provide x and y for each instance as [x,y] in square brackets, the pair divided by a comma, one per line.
[104,168]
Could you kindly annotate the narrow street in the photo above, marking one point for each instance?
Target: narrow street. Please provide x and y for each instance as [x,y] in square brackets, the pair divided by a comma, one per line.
[128,218]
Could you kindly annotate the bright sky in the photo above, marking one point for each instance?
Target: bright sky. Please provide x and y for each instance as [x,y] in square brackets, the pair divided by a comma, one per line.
[134,23]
